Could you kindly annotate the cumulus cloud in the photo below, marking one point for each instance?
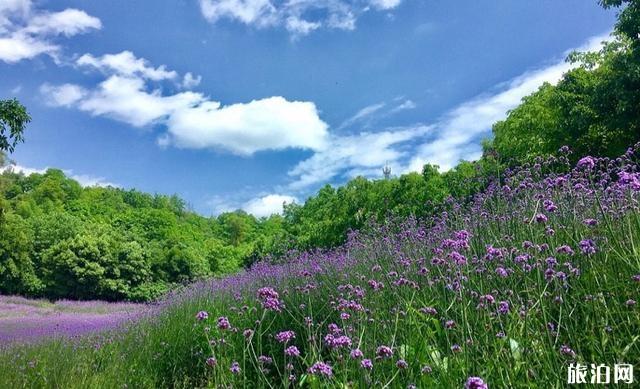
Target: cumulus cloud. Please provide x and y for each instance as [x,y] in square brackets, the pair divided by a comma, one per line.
[85,180]
[268,124]
[268,205]
[127,64]
[190,81]
[64,95]
[263,205]
[299,17]
[26,33]
[191,119]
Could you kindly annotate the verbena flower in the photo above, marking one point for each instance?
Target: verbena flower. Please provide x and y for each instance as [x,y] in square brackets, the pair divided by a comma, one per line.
[587,163]
[223,323]
[587,247]
[366,364]
[235,368]
[566,350]
[292,351]
[211,361]
[384,351]
[202,315]
[356,354]
[475,383]
[321,369]
[285,336]
[265,360]
[541,218]
[402,364]
[503,307]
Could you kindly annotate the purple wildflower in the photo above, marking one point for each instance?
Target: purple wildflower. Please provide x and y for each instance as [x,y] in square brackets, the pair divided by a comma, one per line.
[587,163]
[541,218]
[265,360]
[337,341]
[402,364]
[285,336]
[502,272]
[384,352]
[475,383]
[587,247]
[322,369]
[429,311]
[292,351]
[366,364]
[356,354]
[212,361]
[235,367]
[223,323]
[503,307]
[202,315]
[566,350]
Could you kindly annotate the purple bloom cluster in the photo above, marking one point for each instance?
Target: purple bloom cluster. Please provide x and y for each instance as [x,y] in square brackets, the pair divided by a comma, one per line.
[321,369]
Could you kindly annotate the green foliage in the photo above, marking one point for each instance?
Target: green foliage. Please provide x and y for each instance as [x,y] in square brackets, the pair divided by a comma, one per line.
[17,273]
[59,240]
[594,108]
[13,119]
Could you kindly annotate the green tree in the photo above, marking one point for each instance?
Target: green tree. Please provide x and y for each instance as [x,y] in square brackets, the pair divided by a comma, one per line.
[13,120]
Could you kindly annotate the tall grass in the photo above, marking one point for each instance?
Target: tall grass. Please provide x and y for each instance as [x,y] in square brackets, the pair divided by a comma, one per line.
[537,272]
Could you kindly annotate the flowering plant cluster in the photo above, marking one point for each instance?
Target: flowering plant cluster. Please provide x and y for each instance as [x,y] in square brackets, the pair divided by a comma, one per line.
[539,271]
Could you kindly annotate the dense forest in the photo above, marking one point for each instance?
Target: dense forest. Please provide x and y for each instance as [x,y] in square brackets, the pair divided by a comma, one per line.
[60,240]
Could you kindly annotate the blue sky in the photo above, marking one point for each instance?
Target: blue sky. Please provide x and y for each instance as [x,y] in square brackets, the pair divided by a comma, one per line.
[249,103]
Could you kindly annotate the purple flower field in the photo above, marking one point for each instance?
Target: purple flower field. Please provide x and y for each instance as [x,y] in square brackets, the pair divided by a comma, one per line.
[24,320]
[537,273]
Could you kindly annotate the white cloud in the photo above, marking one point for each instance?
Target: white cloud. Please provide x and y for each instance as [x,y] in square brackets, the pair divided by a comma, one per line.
[458,130]
[445,142]
[64,95]
[127,100]
[404,106]
[385,4]
[190,81]
[192,120]
[299,17]
[264,205]
[26,33]
[128,65]
[261,12]
[85,180]
[220,204]
[69,22]
[362,114]
[268,124]
[364,152]
[268,205]
[301,27]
